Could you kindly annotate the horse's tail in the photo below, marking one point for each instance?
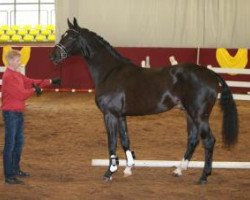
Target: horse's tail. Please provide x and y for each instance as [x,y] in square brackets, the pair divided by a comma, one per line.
[230,126]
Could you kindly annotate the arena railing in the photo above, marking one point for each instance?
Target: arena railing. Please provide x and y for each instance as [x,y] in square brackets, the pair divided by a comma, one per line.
[237,84]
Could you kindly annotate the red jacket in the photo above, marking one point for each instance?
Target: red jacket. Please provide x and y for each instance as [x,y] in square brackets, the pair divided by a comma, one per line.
[16,88]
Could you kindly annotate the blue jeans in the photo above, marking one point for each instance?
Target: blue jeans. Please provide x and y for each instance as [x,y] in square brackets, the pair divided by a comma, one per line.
[14,140]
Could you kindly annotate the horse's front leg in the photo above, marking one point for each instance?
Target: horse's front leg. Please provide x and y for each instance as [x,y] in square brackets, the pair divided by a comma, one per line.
[111,122]
[126,146]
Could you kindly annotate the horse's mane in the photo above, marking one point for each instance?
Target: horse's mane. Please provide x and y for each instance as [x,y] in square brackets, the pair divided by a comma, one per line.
[108,46]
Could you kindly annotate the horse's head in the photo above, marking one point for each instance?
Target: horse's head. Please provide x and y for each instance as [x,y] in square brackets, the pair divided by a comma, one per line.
[73,41]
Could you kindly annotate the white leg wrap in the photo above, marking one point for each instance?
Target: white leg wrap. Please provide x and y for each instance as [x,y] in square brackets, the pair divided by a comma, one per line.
[130,164]
[183,166]
[113,167]
[130,159]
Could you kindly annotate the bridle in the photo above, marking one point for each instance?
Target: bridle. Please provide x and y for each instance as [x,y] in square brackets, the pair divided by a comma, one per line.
[63,51]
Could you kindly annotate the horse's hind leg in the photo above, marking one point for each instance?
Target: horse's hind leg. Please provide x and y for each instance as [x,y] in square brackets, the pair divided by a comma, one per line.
[208,143]
[126,146]
[193,140]
[198,129]
[111,123]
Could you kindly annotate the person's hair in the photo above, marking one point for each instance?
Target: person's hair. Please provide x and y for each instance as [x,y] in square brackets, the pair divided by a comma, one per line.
[12,54]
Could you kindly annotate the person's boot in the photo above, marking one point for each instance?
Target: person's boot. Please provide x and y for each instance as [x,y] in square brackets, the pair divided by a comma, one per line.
[22,174]
[13,181]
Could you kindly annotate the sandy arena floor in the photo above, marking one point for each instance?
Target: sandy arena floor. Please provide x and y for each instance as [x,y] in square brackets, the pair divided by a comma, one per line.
[64,131]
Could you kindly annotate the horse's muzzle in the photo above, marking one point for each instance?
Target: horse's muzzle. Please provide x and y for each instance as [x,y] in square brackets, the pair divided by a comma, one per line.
[54,58]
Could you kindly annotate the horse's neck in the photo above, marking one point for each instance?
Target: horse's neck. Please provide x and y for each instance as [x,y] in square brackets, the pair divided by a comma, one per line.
[101,66]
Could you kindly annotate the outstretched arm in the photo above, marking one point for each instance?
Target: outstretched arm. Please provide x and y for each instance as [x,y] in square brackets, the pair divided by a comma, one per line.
[28,83]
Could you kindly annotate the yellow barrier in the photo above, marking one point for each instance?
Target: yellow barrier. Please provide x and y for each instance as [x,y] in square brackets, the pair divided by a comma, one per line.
[27,33]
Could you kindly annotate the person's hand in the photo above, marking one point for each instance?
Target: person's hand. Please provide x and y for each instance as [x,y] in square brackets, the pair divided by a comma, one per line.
[37,90]
[56,81]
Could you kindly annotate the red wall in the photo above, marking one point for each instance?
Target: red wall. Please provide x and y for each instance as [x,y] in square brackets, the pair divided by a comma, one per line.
[75,74]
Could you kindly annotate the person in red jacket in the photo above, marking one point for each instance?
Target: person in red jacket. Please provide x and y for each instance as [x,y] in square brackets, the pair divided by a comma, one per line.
[16,88]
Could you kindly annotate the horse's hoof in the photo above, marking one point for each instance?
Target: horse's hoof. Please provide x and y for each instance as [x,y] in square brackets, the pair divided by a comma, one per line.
[202,181]
[127,172]
[176,173]
[107,179]
[107,176]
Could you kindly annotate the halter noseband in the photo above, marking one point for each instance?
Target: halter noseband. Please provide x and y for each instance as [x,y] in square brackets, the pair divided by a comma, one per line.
[63,50]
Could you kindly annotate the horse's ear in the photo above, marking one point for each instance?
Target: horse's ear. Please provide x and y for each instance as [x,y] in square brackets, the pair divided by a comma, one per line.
[76,24]
[70,24]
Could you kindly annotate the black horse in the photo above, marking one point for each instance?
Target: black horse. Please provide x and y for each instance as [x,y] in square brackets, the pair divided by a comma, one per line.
[124,89]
